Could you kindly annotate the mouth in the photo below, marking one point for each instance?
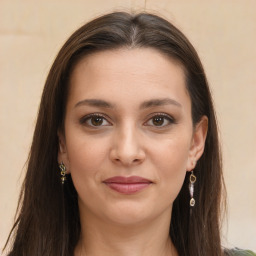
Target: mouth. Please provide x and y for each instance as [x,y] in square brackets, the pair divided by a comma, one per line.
[127,185]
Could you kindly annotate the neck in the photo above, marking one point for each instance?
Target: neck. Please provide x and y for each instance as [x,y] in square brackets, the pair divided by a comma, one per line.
[147,238]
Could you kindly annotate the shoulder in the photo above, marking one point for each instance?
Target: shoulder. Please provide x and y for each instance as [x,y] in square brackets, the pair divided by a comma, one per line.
[238,252]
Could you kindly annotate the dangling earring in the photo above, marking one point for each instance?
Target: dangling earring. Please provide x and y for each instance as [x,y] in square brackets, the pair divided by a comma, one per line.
[192,180]
[62,172]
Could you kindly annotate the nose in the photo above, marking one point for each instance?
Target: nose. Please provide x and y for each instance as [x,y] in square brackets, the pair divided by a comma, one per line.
[127,148]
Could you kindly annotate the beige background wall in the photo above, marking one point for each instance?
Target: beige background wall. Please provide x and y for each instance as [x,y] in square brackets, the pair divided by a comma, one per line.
[223,32]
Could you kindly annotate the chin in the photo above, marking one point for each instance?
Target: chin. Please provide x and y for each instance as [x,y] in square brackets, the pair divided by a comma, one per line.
[128,219]
[130,213]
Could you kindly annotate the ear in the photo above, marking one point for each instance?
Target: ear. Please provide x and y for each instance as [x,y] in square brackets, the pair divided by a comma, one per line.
[62,153]
[197,143]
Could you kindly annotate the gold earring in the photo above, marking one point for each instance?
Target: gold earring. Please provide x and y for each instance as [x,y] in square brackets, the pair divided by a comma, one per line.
[192,180]
[62,172]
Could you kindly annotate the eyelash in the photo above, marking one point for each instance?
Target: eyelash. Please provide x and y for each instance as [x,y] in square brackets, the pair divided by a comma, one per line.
[84,119]
[169,119]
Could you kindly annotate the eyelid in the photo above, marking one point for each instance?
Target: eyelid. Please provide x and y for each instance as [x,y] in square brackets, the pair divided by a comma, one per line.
[167,116]
[87,117]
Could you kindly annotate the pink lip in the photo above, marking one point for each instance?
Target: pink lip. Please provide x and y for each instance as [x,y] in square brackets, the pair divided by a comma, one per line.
[127,185]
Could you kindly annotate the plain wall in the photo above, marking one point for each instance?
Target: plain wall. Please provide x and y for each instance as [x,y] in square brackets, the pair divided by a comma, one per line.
[222,31]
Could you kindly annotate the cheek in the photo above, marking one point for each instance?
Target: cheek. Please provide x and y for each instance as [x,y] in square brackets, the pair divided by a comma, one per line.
[85,156]
[170,160]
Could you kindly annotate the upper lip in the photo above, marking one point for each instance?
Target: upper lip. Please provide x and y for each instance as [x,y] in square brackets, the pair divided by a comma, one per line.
[127,180]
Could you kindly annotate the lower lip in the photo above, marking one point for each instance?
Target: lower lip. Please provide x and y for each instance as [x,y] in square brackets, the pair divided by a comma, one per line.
[127,188]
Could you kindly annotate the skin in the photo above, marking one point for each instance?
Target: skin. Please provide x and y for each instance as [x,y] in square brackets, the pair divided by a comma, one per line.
[128,140]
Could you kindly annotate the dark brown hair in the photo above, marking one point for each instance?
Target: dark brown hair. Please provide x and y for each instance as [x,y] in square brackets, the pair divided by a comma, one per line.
[48,219]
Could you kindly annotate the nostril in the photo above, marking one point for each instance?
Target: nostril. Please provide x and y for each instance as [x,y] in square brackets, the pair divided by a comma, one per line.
[127,162]
[126,155]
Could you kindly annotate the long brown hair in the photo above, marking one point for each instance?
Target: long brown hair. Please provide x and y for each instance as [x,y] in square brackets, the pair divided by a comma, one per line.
[48,219]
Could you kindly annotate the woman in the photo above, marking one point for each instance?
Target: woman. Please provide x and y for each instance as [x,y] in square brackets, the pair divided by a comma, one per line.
[125,158]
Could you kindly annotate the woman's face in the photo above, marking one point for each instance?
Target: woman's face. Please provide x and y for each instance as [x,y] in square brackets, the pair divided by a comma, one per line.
[129,138]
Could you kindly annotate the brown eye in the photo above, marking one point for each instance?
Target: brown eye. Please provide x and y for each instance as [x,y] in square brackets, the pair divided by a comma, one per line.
[96,120]
[158,120]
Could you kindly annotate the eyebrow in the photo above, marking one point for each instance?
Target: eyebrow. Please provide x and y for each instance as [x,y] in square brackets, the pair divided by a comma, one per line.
[145,104]
[95,103]
[159,102]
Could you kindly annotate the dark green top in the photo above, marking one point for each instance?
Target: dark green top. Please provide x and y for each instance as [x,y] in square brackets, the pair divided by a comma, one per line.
[239,252]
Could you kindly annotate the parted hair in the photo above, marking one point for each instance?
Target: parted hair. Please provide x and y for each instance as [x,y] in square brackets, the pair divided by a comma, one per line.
[47,221]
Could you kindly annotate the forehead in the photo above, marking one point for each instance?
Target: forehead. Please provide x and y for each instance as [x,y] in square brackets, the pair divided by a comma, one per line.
[128,73]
